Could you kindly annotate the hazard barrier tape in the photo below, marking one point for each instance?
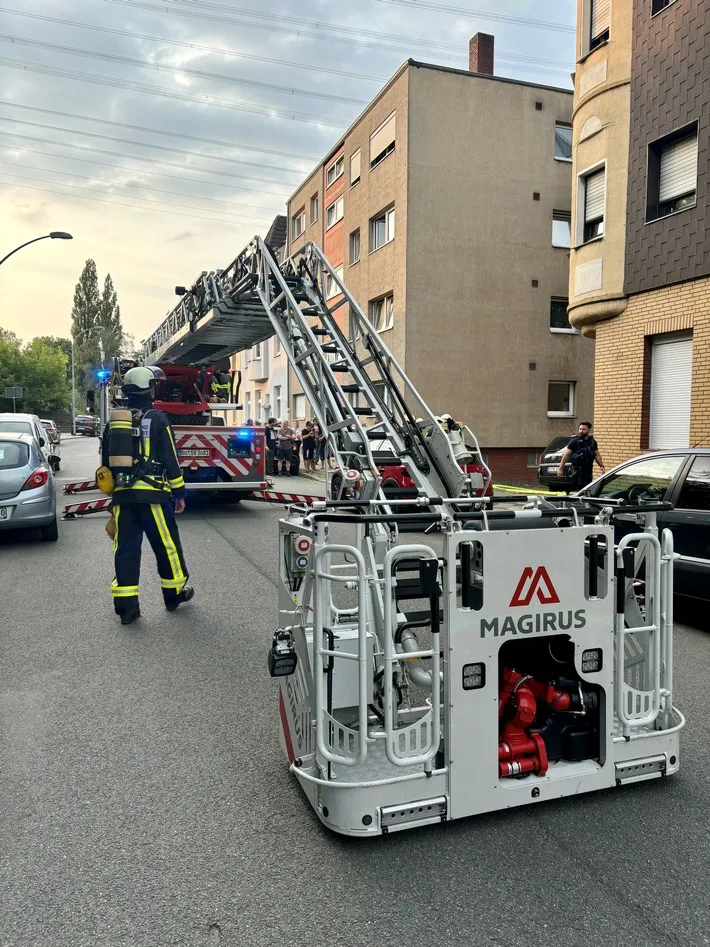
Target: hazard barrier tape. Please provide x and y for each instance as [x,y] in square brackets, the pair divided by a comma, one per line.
[527,490]
[88,506]
[283,497]
[80,486]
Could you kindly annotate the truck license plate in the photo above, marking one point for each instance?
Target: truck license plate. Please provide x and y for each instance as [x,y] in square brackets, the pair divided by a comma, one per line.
[195,452]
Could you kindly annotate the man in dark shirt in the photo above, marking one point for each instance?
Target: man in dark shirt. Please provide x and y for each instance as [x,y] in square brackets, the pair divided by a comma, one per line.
[582,451]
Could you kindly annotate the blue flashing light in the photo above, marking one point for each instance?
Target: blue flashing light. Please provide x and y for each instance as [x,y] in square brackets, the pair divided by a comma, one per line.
[244,433]
[103,374]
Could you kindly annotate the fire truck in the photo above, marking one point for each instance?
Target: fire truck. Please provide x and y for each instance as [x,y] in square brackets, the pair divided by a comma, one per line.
[509,654]
[226,461]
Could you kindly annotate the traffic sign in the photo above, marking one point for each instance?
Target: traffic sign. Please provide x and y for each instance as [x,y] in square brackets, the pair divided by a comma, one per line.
[15,392]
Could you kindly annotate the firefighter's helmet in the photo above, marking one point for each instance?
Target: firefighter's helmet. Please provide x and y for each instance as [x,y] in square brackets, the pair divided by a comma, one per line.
[142,379]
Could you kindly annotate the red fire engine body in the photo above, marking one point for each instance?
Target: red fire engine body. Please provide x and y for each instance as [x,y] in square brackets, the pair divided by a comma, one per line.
[214,456]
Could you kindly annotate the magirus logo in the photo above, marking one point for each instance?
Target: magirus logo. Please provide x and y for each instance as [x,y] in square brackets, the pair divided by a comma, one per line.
[533,583]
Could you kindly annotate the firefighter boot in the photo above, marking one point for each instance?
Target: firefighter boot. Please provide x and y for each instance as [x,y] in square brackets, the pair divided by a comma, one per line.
[180,599]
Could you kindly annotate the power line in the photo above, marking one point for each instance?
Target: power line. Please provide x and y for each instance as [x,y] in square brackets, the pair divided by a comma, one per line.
[178,70]
[330,32]
[158,131]
[499,17]
[103,200]
[147,144]
[91,190]
[271,27]
[210,49]
[117,154]
[231,104]
[153,190]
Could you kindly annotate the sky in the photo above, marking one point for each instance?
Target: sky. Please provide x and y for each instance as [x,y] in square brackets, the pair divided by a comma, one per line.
[165,134]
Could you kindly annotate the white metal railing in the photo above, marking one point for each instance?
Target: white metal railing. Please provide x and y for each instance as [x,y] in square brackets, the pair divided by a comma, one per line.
[636,706]
[417,743]
[343,745]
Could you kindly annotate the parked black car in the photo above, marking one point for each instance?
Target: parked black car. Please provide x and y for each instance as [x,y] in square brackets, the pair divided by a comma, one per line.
[681,477]
[549,462]
[86,424]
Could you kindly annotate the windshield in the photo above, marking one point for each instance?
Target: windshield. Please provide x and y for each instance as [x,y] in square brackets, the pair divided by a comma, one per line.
[13,454]
[557,447]
[16,427]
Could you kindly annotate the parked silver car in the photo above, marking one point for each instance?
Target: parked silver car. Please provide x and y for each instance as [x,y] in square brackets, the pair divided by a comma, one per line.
[31,424]
[28,495]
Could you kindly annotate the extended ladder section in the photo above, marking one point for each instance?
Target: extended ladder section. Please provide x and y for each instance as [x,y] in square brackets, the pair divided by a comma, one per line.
[344,368]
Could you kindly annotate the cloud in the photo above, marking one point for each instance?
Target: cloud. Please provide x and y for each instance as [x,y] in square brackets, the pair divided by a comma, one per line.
[155,208]
[179,237]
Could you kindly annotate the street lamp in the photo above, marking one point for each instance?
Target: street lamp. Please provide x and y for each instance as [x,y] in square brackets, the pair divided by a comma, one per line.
[54,235]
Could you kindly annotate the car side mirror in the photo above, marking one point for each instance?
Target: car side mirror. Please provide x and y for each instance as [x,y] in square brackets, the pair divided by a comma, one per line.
[42,442]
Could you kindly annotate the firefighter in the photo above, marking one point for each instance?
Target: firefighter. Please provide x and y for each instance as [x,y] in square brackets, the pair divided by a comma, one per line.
[147,479]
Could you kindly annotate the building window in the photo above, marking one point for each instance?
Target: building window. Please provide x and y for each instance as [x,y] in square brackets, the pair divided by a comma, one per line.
[256,351]
[331,287]
[299,407]
[381,229]
[354,246]
[355,168]
[563,142]
[381,312]
[561,223]
[277,345]
[247,406]
[559,322]
[599,20]
[314,208]
[672,173]
[382,141]
[277,401]
[334,213]
[334,171]
[533,458]
[670,391]
[560,399]
[593,193]
[658,5]
[257,405]
[298,223]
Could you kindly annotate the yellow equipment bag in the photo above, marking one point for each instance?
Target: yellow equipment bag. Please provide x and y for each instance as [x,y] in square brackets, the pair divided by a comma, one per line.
[104,480]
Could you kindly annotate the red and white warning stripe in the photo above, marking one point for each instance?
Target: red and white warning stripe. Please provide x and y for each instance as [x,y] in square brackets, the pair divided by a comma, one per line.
[282,497]
[80,486]
[88,506]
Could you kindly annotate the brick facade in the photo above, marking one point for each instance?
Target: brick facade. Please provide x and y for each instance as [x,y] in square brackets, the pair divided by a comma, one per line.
[623,366]
[669,90]
[510,465]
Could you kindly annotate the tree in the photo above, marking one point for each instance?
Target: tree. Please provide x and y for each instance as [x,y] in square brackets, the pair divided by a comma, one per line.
[96,324]
[109,316]
[40,369]
[58,344]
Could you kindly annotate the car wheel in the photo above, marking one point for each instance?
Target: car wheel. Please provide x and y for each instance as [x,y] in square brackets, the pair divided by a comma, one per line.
[50,532]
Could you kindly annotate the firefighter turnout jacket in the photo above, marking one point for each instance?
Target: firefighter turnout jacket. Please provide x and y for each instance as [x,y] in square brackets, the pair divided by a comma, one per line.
[155,474]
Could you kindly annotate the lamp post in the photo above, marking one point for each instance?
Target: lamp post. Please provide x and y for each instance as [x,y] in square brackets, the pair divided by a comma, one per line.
[73,388]
[54,235]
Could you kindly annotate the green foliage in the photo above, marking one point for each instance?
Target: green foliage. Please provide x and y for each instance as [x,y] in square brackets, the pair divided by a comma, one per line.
[60,345]
[41,370]
[96,324]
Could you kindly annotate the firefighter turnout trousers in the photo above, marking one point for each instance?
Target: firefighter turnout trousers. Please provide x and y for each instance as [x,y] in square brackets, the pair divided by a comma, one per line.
[157,521]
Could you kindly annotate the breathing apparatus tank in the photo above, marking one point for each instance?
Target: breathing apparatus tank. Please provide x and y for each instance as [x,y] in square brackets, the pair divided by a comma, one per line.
[121,445]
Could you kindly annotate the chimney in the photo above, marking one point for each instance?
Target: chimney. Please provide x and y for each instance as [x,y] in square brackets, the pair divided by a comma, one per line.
[480,54]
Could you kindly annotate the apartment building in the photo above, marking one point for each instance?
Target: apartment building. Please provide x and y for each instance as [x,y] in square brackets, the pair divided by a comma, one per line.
[265,367]
[446,209]
[640,264]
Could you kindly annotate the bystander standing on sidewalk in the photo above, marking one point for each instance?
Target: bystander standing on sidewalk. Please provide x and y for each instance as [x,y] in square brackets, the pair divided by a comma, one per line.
[284,447]
[270,433]
[308,441]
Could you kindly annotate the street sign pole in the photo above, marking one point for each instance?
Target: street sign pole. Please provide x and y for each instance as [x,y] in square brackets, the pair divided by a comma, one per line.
[15,393]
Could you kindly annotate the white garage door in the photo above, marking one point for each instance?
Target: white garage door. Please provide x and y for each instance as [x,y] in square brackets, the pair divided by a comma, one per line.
[671,371]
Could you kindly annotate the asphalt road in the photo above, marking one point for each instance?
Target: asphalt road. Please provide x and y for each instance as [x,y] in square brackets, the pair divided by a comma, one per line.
[144,800]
